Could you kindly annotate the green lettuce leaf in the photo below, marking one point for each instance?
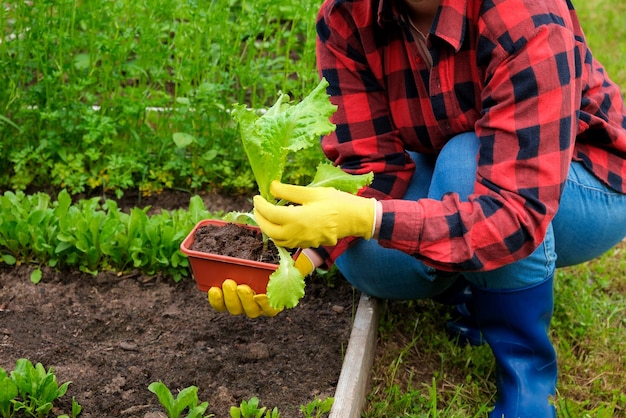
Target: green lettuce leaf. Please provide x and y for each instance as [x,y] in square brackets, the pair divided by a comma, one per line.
[286,285]
[328,175]
[283,129]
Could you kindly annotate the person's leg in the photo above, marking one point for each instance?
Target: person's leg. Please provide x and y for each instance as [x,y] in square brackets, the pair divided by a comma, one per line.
[515,324]
[512,306]
[455,171]
[389,273]
[602,211]
[591,218]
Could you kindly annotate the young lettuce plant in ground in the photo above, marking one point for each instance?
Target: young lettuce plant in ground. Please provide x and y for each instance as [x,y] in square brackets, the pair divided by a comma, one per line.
[251,409]
[29,390]
[186,399]
[317,408]
[268,140]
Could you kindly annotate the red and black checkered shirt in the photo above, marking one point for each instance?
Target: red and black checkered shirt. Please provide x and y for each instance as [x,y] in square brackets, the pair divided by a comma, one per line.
[518,73]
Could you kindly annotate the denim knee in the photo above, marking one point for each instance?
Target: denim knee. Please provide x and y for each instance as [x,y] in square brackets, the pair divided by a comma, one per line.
[536,268]
[455,169]
[388,274]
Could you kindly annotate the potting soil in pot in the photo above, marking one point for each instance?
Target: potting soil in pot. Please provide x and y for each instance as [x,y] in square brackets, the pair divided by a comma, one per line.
[234,240]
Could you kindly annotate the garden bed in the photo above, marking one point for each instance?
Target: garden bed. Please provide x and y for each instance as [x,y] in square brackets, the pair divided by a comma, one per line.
[111,336]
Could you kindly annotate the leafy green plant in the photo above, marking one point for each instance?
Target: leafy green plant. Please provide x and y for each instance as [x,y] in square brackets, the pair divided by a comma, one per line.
[251,409]
[268,141]
[30,390]
[87,93]
[8,393]
[92,236]
[187,399]
[317,407]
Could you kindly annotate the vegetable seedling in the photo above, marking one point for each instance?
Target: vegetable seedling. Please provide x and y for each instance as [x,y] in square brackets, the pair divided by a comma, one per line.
[317,408]
[268,140]
[186,399]
[251,409]
[76,410]
[37,389]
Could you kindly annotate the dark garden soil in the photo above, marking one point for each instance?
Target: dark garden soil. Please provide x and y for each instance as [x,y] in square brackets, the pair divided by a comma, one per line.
[111,336]
[249,245]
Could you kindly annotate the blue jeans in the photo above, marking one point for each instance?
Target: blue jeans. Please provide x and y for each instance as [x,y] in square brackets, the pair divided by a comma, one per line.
[591,220]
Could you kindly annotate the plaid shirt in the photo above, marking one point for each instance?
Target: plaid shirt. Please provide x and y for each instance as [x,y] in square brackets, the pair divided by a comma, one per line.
[516,72]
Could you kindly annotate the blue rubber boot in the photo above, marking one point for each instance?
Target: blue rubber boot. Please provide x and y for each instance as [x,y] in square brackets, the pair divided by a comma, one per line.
[515,324]
[462,327]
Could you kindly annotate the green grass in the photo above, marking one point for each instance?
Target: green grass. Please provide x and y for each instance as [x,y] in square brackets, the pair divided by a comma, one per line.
[590,335]
[604,23]
[419,372]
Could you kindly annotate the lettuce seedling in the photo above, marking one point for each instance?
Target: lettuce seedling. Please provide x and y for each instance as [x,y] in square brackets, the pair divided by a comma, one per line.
[283,129]
[37,388]
[268,140]
[186,399]
[317,408]
[251,409]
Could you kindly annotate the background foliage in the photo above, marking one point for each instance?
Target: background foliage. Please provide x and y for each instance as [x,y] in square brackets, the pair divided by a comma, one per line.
[123,94]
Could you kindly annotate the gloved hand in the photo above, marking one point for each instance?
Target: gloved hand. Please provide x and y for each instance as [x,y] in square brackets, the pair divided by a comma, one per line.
[321,217]
[241,299]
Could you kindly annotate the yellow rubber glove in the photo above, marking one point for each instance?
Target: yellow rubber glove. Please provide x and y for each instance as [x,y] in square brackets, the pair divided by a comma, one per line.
[322,216]
[241,299]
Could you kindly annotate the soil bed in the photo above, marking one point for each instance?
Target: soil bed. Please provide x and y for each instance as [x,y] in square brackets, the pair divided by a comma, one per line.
[111,336]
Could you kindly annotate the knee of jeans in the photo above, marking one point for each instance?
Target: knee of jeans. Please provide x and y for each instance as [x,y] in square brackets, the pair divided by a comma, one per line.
[536,268]
[362,277]
[393,276]
[455,169]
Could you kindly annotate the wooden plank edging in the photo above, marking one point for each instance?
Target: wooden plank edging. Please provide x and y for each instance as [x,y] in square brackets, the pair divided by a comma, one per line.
[353,379]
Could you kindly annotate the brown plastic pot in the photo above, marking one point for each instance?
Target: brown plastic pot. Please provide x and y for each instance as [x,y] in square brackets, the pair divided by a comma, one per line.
[210,270]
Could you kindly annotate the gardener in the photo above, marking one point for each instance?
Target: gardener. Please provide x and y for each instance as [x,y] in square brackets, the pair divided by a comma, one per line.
[498,146]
